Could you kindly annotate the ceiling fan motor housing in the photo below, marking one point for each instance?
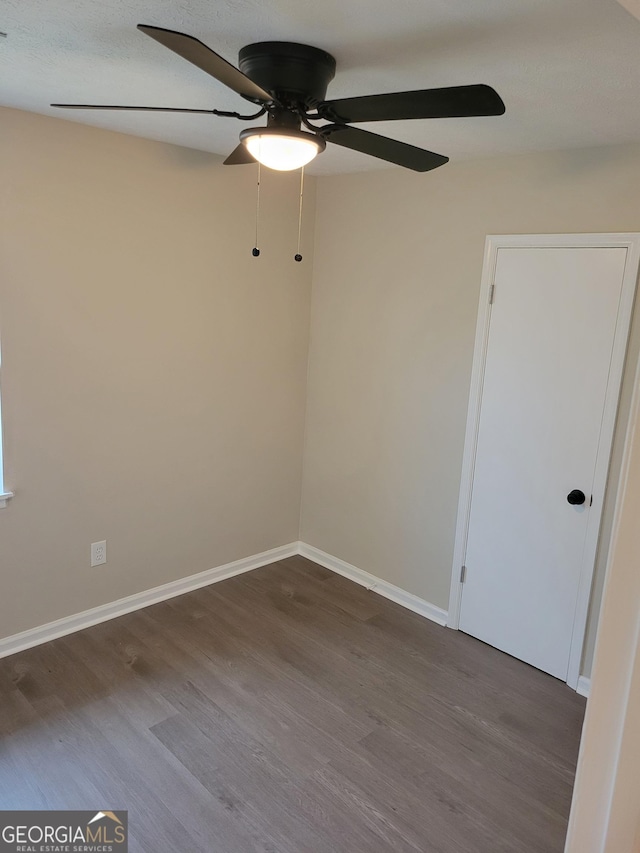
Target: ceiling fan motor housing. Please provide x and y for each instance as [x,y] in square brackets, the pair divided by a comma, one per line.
[293,73]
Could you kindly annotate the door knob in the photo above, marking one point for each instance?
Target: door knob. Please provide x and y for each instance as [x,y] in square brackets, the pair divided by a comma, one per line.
[576,497]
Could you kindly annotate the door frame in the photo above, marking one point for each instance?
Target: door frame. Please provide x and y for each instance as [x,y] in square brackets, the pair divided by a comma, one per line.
[494,242]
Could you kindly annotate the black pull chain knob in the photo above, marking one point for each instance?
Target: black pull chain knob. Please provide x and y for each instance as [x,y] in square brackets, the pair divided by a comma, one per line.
[576,497]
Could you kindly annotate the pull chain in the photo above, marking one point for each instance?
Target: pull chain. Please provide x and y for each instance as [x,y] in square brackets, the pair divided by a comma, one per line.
[256,250]
[298,256]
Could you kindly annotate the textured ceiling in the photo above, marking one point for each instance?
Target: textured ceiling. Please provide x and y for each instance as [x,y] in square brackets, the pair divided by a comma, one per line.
[568,70]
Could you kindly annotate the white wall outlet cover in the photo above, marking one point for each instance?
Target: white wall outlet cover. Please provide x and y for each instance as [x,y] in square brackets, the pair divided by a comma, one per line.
[98,553]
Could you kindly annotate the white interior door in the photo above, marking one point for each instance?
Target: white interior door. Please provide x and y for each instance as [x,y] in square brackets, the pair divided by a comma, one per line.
[551,338]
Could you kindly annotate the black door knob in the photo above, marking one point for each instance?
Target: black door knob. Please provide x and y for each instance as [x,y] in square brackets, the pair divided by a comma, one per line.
[576,497]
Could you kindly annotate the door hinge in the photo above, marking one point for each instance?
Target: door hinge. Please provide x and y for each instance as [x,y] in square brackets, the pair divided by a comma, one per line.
[492,291]
[463,574]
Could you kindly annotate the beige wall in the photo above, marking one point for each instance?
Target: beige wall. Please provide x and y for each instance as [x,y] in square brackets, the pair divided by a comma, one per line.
[605,817]
[153,371]
[395,294]
[154,381]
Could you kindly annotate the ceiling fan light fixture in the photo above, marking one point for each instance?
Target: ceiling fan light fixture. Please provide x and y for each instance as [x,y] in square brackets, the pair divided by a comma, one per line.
[282,149]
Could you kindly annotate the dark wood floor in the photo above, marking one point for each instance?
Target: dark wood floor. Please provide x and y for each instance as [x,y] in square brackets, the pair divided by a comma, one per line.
[291,711]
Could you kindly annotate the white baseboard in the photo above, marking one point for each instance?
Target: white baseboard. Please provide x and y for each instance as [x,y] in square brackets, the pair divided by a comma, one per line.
[584,686]
[371,582]
[78,621]
[395,593]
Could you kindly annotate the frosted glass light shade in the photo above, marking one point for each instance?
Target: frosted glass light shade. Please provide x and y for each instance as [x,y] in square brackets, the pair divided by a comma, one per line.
[283,150]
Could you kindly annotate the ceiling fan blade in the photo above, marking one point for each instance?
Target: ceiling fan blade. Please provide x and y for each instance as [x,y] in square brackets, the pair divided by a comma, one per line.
[239,157]
[121,107]
[384,148]
[199,54]
[451,102]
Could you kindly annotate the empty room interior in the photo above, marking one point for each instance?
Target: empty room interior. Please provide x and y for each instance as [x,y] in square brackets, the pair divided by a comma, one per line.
[320,458]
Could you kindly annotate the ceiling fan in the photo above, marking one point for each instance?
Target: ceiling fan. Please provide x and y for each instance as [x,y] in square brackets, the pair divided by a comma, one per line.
[288,82]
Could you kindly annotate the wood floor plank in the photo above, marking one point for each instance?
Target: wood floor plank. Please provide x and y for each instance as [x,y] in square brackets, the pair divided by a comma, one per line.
[525,717]
[247,783]
[289,710]
[264,697]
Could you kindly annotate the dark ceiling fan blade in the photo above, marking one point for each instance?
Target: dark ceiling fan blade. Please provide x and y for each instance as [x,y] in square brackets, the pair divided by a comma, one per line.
[121,107]
[239,157]
[199,54]
[451,102]
[384,148]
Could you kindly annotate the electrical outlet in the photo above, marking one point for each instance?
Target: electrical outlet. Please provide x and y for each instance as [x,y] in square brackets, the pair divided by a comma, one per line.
[98,553]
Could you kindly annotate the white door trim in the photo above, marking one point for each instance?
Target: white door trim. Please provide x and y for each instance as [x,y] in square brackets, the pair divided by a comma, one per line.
[630,241]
